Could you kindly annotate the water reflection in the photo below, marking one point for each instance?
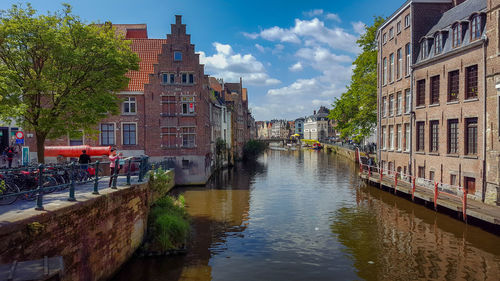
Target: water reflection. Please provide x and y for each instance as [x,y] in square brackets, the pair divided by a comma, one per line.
[304,215]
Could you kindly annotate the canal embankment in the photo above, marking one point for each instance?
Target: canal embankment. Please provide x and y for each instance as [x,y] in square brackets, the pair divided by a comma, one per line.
[95,234]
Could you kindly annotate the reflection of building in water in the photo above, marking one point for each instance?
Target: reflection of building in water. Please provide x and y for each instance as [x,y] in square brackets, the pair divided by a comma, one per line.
[389,238]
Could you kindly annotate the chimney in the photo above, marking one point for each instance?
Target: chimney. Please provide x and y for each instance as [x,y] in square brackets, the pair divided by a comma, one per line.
[178,19]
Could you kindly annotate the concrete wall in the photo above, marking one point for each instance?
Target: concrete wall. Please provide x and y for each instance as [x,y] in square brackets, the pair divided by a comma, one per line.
[95,237]
[350,154]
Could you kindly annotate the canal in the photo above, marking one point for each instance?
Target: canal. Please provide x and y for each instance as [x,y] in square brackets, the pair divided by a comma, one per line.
[305,215]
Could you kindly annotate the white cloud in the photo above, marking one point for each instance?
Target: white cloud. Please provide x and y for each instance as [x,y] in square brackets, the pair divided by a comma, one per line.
[296,67]
[231,66]
[334,17]
[260,48]
[359,27]
[313,13]
[315,29]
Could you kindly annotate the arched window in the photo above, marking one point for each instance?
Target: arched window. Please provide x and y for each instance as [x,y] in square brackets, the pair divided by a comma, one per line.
[475,27]
[438,43]
[457,35]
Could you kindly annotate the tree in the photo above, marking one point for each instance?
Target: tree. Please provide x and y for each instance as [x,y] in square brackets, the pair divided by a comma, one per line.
[59,75]
[356,109]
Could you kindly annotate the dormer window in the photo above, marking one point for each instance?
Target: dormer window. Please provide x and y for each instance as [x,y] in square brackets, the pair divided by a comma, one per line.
[476,27]
[457,35]
[438,43]
[423,49]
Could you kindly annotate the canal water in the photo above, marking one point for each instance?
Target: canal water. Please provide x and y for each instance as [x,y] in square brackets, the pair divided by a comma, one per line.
[305,215]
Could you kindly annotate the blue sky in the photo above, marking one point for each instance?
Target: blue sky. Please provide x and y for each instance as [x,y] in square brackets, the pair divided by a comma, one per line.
[294,56]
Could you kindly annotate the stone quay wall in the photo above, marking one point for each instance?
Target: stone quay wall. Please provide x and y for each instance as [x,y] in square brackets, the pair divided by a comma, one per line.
[94,237]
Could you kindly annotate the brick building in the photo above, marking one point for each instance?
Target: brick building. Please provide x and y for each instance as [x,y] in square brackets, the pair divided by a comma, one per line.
[492,194]
[434,60]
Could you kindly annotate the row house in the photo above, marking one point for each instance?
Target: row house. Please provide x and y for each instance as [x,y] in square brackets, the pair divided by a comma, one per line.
[168,110]
[316,126]
[299,127]
[432,93]
[278,129]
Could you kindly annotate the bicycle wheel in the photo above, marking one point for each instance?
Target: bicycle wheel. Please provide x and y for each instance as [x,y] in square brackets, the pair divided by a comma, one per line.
[6,193]
[49,184]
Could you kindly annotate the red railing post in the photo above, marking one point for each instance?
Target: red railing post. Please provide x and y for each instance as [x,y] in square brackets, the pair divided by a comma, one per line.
[395,182]
[435,195]
[464,206]
[381,176]
[413,189]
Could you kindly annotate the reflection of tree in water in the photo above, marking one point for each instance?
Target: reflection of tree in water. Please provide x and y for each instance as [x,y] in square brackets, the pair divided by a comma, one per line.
[356,229]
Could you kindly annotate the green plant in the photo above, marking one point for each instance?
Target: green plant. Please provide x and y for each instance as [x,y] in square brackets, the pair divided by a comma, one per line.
[253,148]
[159,179]
[3,187]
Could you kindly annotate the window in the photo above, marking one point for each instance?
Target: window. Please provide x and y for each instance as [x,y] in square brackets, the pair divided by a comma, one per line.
[168,78]
[399,139]
[420,92]
[470,185]
[384,72]
[391,68]
[168,137]
[108,134]
[438,43]
[457,35]
[384,38]
[434,136]
[191,78]
[407,101]
[423,49]
[408,58]
[453,180]
[435,89]
[407,20]
[421,172]
[453,85]
[400,64]
[476,27]
[420,136]
[184,78]
[407,137]
[398,27]
[188,137]
[177,56]
[471,82]
[129,105]
[383,138]
[129,134]
[471,136]
[76,139]
[391,105]
[384,106]
[391,137]
[399,103]
[453,136]
[187,105]
[431,175]
[391,33]
[185,164]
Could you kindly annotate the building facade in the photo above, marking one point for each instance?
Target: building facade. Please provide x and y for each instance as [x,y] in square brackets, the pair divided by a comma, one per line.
[299,127]
[316,126]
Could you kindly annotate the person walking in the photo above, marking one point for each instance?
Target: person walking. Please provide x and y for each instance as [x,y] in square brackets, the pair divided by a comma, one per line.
[84,160]
[112,164]
[10,155]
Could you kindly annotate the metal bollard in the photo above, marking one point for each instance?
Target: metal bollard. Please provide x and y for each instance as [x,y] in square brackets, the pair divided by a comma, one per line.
[435,195]
[39,197]
[128,172]
[96,181]
[72,183]
[115,174]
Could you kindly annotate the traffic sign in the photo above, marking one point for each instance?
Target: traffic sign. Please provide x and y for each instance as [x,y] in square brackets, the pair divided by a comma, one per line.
[20,141]
[19,135]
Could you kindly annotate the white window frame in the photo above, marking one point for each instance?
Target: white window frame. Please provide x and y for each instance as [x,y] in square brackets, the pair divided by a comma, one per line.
[399,137]
[384,71]
[130,103]
[408,58]
[123,135]
[399,103]
[114,132]
[407,101]
[182,136]
[170,78]
[407,138]
[407,21]
[391,67]
[391,137]
[186,100]
[399,68]
[384,138]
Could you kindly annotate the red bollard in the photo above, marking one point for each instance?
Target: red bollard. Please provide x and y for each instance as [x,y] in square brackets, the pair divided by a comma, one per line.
[395,182]
[413,189]
[435,195]
[464,206]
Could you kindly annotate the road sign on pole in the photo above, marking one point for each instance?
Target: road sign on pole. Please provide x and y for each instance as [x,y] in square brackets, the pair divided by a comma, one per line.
[19,135]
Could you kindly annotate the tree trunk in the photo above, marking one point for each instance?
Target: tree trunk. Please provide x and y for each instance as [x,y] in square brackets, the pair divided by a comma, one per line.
[40,147]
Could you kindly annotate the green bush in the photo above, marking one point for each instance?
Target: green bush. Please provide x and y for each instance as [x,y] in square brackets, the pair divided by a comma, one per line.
[169,223]
[159,179]
[253,148]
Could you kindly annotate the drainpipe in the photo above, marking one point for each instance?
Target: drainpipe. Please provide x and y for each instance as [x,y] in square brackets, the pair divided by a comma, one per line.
[379,119]
[412,112]
[483,195]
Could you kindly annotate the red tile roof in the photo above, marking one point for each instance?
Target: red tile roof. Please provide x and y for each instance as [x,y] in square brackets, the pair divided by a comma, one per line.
[136,33]
[214,84]
[148,51]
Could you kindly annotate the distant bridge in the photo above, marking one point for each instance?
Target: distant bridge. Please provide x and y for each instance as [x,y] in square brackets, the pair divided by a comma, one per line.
[282,140]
